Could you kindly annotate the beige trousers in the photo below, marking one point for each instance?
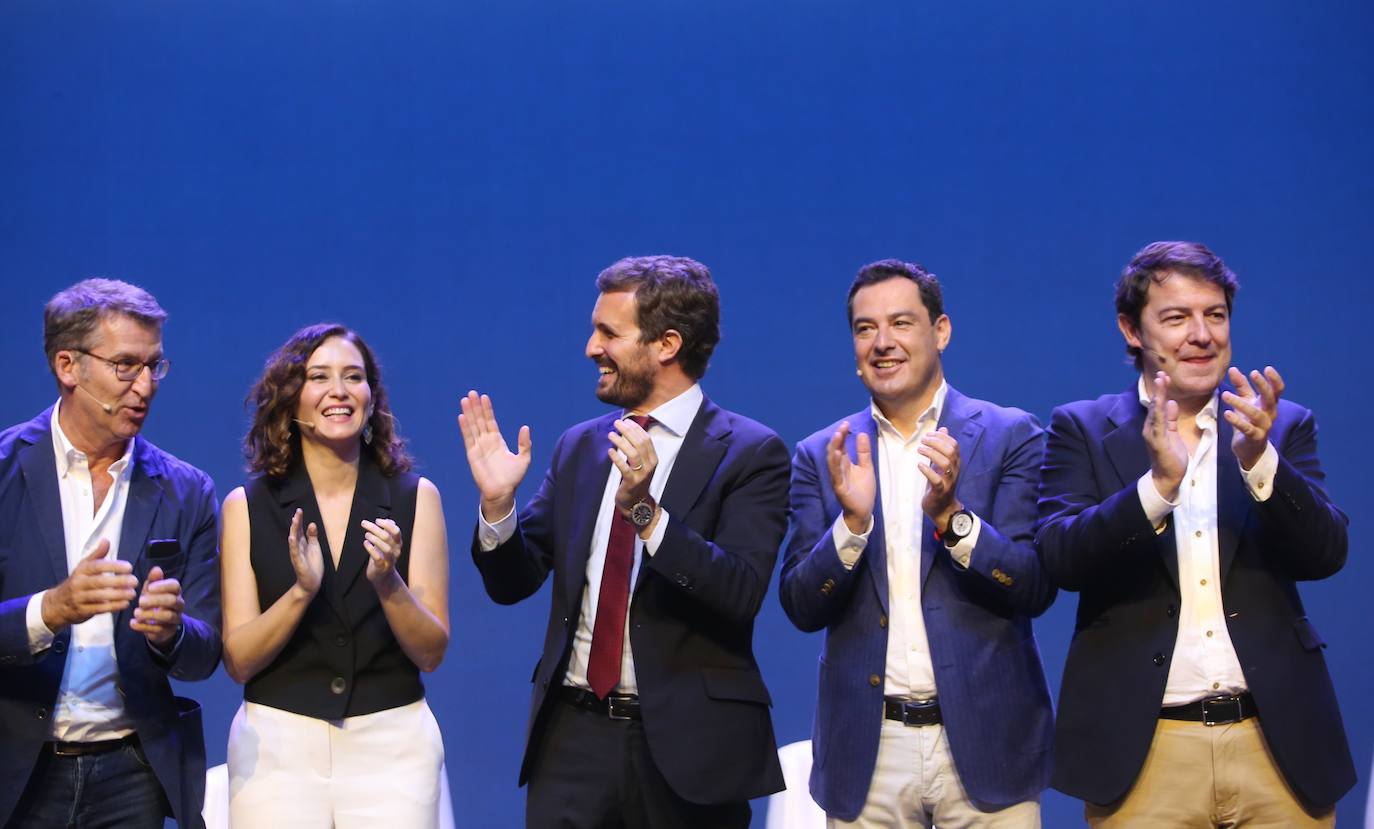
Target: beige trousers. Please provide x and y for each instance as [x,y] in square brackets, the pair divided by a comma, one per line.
[915,784]
[1208,777]
[298,772]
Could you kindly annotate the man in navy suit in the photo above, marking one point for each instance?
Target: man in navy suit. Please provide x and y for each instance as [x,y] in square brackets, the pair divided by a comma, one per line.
[661,534]
[108,584]
[1183,512]
[911,547]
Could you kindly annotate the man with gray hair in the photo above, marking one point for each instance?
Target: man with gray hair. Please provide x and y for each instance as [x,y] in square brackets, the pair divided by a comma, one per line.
[108,583]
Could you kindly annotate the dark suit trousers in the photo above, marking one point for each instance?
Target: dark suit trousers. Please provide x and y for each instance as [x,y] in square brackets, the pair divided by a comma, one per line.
[593,772]
[114,789]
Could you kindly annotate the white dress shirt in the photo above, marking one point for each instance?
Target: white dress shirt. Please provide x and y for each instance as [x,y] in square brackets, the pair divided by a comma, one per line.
[1205,662]
[671,422]
[90,703]
[909,669]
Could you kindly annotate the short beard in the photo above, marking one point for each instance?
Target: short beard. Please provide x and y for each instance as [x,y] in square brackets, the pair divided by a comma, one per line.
[629,389]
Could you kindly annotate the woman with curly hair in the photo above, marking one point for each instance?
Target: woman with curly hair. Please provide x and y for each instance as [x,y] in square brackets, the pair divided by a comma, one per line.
[335,582]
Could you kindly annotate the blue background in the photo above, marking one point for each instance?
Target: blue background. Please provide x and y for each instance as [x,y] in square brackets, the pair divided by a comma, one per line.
[449,178]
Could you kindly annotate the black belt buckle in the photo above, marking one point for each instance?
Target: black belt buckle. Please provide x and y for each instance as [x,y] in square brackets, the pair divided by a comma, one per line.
[1222,710]
[920,712]
[622,707]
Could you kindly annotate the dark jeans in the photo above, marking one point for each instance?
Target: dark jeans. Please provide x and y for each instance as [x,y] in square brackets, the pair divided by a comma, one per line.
[593,772]
[112,789]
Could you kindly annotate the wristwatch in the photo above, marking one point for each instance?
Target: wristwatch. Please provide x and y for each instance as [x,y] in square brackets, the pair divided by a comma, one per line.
[960,525]
[642,513]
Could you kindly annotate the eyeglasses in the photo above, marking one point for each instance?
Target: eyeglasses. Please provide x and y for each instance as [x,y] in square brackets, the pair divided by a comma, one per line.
[129,370]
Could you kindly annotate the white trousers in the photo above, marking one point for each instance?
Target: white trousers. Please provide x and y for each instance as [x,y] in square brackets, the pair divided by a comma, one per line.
[298,772]
[915,784]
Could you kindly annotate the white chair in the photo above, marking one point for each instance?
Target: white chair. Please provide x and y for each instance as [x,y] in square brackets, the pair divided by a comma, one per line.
[216,809]
[793,807]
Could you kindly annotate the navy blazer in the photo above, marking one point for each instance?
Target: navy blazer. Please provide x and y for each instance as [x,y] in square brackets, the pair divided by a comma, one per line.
[703,701]
[991,685]
[167,499]
[1094,538]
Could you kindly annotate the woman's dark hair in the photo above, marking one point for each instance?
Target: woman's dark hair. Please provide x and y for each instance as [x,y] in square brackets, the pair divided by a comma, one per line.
[272,444]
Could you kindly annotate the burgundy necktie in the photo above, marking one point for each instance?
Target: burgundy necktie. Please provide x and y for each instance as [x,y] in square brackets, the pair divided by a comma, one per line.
[608,633]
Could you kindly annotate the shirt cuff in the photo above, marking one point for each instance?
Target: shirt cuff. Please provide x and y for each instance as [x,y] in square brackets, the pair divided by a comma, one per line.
[656,537]
[1260,479]
[848,545]
[40,638]
[962,553]
[491,536]
[1156,506]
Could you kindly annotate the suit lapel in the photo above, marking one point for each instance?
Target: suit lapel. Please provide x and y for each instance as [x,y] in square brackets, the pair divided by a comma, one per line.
[875,554]
[1124,445]
[590,467]
[964,423]
[371,500]
[1233,499]
[40,477]
[145,498]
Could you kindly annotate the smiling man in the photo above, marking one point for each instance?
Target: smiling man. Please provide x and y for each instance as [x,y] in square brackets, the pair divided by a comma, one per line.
[1183,511]
[911,547]
[660,524]
[108,584]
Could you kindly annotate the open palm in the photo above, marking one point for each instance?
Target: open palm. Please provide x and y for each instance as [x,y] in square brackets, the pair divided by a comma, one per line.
[496,470]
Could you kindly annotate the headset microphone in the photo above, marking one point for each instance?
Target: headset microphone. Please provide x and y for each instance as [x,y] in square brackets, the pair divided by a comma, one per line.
[307,423]
[108,407]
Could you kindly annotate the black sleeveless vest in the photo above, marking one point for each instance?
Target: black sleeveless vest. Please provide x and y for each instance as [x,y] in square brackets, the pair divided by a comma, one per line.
[343,659]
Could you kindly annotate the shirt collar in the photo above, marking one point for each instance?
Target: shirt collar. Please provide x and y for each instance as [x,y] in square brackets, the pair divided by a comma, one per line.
[67,454]
[931,415]
[1206,419]
[677,414]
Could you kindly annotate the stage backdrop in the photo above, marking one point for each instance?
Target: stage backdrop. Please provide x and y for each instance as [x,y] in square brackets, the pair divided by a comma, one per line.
[449,178]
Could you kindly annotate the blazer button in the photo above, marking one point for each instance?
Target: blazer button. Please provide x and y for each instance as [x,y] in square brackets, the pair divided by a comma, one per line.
[59,646]
[1170,611]
[997,574]
[41,713]
[874,680]
[683,581]
[341,640]
[1158,659]
[1008,581]
[337,685]
[882,621]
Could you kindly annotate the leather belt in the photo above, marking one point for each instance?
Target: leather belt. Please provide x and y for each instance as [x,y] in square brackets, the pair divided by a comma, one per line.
[913,712]
[614,706]
[1214,711]
[62,749]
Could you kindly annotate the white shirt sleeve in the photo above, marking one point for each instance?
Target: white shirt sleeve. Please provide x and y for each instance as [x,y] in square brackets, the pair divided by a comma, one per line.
[962,553]
[1156,506]
[849,546]
[656,537]
[1260,479]
[491,536]
[40,638]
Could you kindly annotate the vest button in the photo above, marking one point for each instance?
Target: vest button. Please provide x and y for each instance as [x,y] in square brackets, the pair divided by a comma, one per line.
[337,685]
[341,640]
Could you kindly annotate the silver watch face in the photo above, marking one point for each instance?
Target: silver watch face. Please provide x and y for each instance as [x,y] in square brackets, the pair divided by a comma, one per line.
[642,514]
[961,524]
